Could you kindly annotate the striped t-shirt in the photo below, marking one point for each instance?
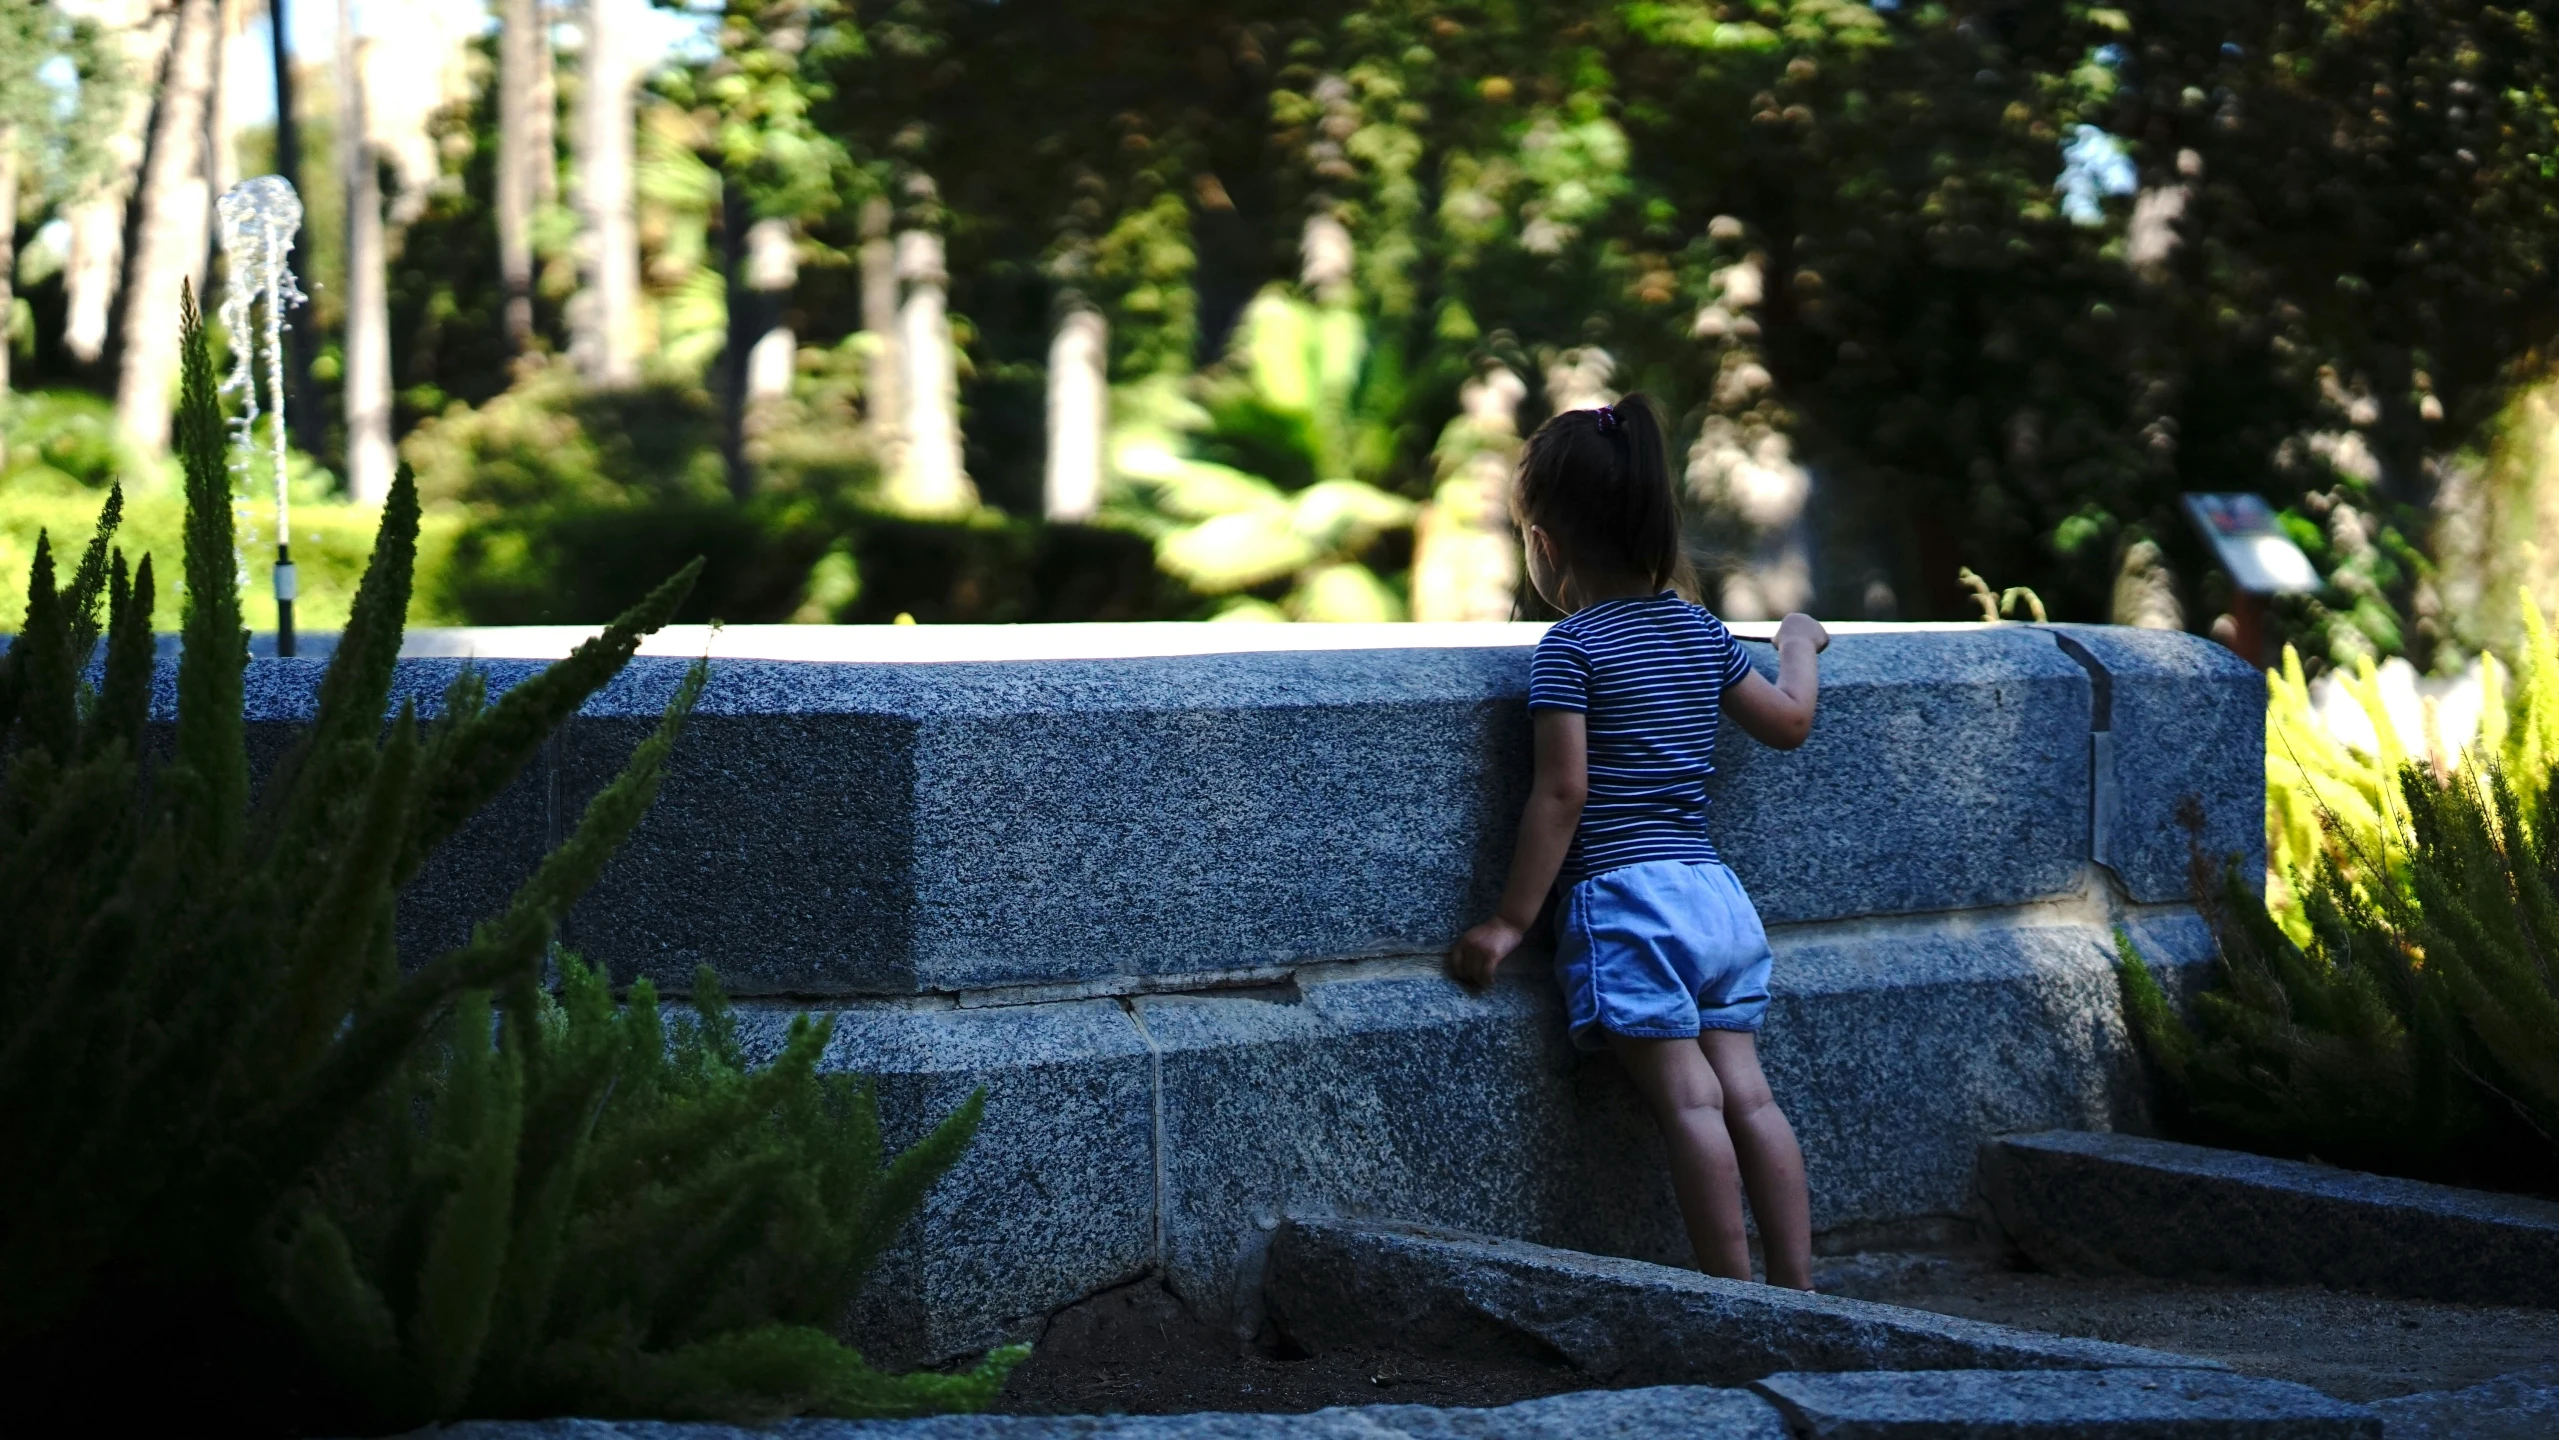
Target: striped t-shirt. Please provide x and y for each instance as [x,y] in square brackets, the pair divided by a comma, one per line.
[1650,674]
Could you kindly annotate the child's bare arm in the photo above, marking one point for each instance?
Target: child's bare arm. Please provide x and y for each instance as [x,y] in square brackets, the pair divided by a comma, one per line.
[1781,715]
[1546,828]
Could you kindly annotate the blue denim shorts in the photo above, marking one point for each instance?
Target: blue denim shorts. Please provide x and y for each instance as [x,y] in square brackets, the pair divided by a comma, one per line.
[1660,951]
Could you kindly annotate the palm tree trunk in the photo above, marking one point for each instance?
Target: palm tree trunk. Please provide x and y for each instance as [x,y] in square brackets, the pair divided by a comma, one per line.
[138,31]
[542,113]
[236,77]
[762,265]
[300,402]
[883,399]
[368,338]
[1079,398]
[604,340]
[933,480]
[8,248]
[173,228]
[524,156]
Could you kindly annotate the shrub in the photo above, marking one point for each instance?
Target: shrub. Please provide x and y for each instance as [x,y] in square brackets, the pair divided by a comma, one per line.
[231,1154]
[600,1222]
[571,503]
[2330,804]
[988,570]
[2416,1031]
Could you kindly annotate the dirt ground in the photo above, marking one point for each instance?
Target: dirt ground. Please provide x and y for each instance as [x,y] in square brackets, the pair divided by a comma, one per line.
[1137,1351]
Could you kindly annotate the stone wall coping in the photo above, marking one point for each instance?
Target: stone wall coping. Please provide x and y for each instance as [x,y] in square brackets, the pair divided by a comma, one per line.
[947,821]
[929,644]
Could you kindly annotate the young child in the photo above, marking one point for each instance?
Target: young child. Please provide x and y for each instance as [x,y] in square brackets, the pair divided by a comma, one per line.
[1661,957]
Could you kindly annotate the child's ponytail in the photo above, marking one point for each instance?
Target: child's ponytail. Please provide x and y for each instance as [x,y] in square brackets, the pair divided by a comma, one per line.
[1598,481]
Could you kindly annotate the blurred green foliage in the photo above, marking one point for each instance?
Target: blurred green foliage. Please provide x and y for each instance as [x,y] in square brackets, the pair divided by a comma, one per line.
[63,450]
[2006,279]
[1256,482]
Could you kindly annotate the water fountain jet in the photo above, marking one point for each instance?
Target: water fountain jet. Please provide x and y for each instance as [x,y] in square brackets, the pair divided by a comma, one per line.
[259,218]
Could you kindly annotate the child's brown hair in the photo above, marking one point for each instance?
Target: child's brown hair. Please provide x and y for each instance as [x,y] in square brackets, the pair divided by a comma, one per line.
[1598,481]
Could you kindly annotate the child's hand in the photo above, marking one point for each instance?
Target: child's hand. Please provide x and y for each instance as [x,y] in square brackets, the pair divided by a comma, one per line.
[1480,951]
[1803,627]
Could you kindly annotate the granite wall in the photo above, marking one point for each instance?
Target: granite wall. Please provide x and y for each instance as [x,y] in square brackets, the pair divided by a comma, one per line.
[1179,912]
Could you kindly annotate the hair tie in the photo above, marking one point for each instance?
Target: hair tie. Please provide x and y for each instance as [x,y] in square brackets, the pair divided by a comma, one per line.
[1607,419]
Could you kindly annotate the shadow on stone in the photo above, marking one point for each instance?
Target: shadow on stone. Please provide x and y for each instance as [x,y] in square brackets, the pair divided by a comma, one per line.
[1622,1322]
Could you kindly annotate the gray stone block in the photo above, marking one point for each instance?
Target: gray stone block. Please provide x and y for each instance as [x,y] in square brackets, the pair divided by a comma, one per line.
[1399,1095]
[1676,1412]
[1896,1051]
[2188,725]
[1662,1413]
[1895,1048]
[833,828]
[850,828]
[2085,1405]
[1336,1283]
[1054,1201]
[2118,1202]
[777,853]
[867,828]
[1947,769]
[2521,1406]
[470,877]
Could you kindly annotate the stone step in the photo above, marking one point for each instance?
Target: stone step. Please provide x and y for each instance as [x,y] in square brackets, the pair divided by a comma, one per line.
[2132,1404]
[1663,1413]
[2078,1405]
[2520,1406]
[2078,1202]
[1623,1322]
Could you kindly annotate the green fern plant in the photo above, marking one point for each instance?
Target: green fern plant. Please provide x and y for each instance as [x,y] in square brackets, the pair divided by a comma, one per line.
[2416,1030]
[594,1220]
[233,1152]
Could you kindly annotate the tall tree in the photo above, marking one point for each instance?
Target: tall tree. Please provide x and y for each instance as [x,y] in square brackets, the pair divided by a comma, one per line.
[172,227]
[526,156]
[932,478]
[369,457]
[38,150]
[299,339]
[604,319]
[134,34]
[1079,414]
[751,102]
[883,402]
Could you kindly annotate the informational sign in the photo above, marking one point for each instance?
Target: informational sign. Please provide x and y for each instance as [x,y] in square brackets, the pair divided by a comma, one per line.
[2251,545]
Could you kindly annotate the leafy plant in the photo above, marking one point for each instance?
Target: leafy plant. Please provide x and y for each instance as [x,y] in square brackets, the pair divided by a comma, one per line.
[599,1221]
[228,1145]
[2331,804]
[2416,1030]
[1256,484]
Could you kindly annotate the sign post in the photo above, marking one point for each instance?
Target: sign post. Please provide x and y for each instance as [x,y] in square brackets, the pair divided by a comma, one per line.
[2261,560]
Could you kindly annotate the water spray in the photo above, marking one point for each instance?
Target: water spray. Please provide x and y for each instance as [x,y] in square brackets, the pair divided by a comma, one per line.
[259,218]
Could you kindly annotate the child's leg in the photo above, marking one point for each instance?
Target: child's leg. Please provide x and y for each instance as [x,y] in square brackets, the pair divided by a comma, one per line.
[1772,1166]
[1687,1101]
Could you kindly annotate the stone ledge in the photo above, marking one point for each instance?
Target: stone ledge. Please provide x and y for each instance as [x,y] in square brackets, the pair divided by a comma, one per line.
[1664,1413]
[839,828]
[1622,1322]
[1176,1132]
[2081,1202]
[2520,1406]
[2154,685]
[2082,1405]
